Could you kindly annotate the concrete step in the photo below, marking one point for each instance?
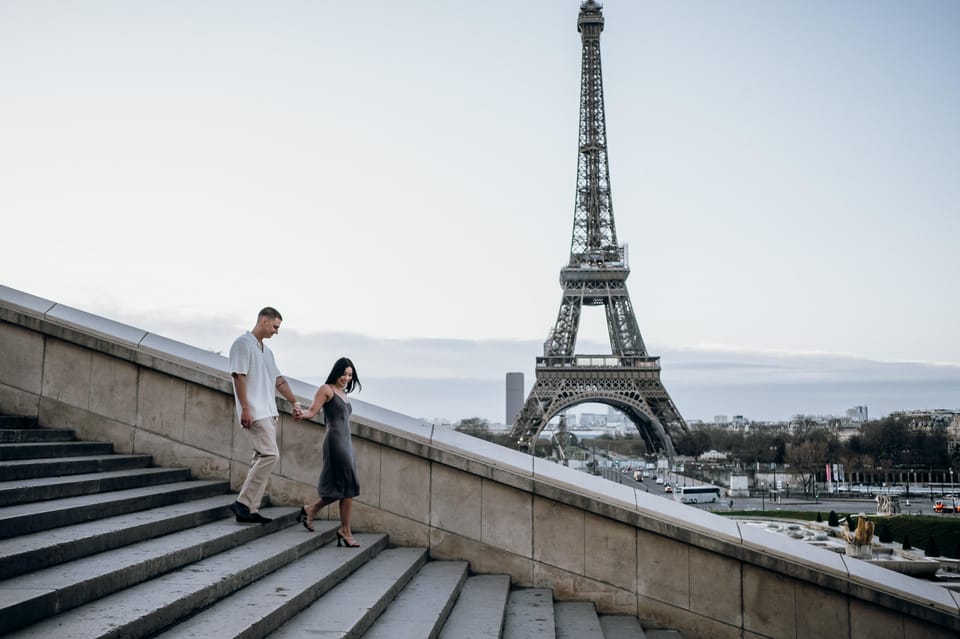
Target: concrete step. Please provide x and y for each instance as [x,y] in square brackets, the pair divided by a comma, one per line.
[422,607]
[479,610]
[32,468]
[351,608]
[31,552]
[529,614]
[37,450]
[621,627]
[664,634]
[95,544]
[23,519]
[169,583]
[15,421]
[19,435]
[577,620]
[46,488]
[263,606]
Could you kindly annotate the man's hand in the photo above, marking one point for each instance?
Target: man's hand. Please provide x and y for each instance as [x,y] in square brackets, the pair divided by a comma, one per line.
[246,419]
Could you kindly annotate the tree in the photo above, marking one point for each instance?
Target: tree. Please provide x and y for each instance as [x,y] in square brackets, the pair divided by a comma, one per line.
[884,534]
[474,426]
[806,459]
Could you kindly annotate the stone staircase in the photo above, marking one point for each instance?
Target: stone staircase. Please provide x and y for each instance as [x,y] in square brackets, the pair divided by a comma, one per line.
[97,544]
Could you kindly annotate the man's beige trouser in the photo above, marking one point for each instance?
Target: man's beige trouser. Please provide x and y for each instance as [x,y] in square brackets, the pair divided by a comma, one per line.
[263,437]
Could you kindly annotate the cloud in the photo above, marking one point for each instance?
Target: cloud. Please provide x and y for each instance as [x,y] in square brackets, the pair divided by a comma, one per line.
[452,379]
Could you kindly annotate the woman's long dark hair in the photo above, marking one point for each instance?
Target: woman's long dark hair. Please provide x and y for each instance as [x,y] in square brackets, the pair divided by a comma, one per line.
[337,371]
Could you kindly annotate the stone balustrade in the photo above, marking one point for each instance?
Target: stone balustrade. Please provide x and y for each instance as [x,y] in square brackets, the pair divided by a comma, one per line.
[502,510]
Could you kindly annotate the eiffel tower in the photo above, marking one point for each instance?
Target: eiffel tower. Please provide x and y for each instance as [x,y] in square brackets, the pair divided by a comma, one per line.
[629,378]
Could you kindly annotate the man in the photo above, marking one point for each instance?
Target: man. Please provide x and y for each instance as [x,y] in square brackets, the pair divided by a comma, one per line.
[255,383]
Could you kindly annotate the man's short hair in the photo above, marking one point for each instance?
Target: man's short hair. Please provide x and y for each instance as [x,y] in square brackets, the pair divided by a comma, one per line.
[270,313]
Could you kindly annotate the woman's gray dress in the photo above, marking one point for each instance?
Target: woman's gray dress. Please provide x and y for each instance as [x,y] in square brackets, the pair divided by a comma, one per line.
[338,475]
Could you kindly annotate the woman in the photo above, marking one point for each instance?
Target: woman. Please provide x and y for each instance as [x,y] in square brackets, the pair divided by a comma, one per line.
[338,475]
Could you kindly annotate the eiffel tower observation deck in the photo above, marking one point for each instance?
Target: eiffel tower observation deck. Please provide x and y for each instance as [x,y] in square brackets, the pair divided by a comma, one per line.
[628,378]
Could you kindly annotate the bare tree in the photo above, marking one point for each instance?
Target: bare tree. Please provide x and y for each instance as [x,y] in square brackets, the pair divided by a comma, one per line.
[806,459]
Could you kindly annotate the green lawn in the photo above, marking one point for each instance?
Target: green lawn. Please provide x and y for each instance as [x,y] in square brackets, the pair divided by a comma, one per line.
[944,531]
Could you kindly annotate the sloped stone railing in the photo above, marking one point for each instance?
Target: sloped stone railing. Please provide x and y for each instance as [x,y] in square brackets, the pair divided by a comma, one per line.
[502,510]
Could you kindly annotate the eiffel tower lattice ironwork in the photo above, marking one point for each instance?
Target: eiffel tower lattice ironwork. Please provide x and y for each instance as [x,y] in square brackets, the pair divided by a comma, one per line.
[629,378]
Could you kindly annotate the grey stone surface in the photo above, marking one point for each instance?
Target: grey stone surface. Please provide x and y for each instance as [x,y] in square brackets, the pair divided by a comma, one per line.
[479,610]
[25,302]
[149,605]
[445,438]
[351,607]
[26,468]
[184,353]
[621,627]
[529,614]
[266,604]
[37,450]
[28,518]
[422,607]
[577,620]
[44,488]
[31,552]
[82,320]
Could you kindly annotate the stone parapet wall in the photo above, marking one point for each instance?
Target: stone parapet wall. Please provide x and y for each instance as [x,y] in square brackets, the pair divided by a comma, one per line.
[502,510]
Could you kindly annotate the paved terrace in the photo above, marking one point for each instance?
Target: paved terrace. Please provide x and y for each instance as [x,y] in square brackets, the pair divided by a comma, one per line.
[500,510]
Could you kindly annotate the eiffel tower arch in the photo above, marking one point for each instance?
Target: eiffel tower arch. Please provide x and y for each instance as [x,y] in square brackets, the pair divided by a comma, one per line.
[628,379]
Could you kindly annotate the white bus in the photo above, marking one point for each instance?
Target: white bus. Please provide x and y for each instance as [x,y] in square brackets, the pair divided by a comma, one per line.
[697,494]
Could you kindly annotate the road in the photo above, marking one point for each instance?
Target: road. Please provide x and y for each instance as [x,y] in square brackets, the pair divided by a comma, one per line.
[761,504]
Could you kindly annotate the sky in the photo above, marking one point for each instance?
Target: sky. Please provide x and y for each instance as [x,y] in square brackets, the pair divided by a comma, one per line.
[398,179]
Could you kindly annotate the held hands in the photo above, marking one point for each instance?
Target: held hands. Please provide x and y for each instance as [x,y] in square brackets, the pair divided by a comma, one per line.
[301,413]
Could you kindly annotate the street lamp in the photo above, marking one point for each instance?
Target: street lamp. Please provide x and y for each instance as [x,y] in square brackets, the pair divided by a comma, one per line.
[951,480]
[763,506]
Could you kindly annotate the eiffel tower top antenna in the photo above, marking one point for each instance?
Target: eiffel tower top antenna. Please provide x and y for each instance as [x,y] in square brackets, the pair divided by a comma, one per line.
[594,232]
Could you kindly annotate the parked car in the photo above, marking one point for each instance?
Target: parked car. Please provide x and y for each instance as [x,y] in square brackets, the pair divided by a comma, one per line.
[667,488]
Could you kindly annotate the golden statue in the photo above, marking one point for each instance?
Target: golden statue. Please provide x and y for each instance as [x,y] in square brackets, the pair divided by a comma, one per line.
[862,535]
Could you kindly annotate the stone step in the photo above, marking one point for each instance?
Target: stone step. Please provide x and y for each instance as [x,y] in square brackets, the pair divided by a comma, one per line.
[577,620]
[21,435]
[37,450]
[31,552]
[478,612]
[663,634]
[263,606]
[170,582]
[529,614]
[422,607]
[15,421]
[621,627]
[351,608]
[23,519]
[32,468]
[46,488]
[96,544]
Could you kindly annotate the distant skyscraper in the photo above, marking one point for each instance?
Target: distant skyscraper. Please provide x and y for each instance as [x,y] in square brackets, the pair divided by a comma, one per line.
[514,397]
[857,414]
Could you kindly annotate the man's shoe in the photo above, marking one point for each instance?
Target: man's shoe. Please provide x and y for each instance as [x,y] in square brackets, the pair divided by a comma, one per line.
[260,519]
[240,510]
